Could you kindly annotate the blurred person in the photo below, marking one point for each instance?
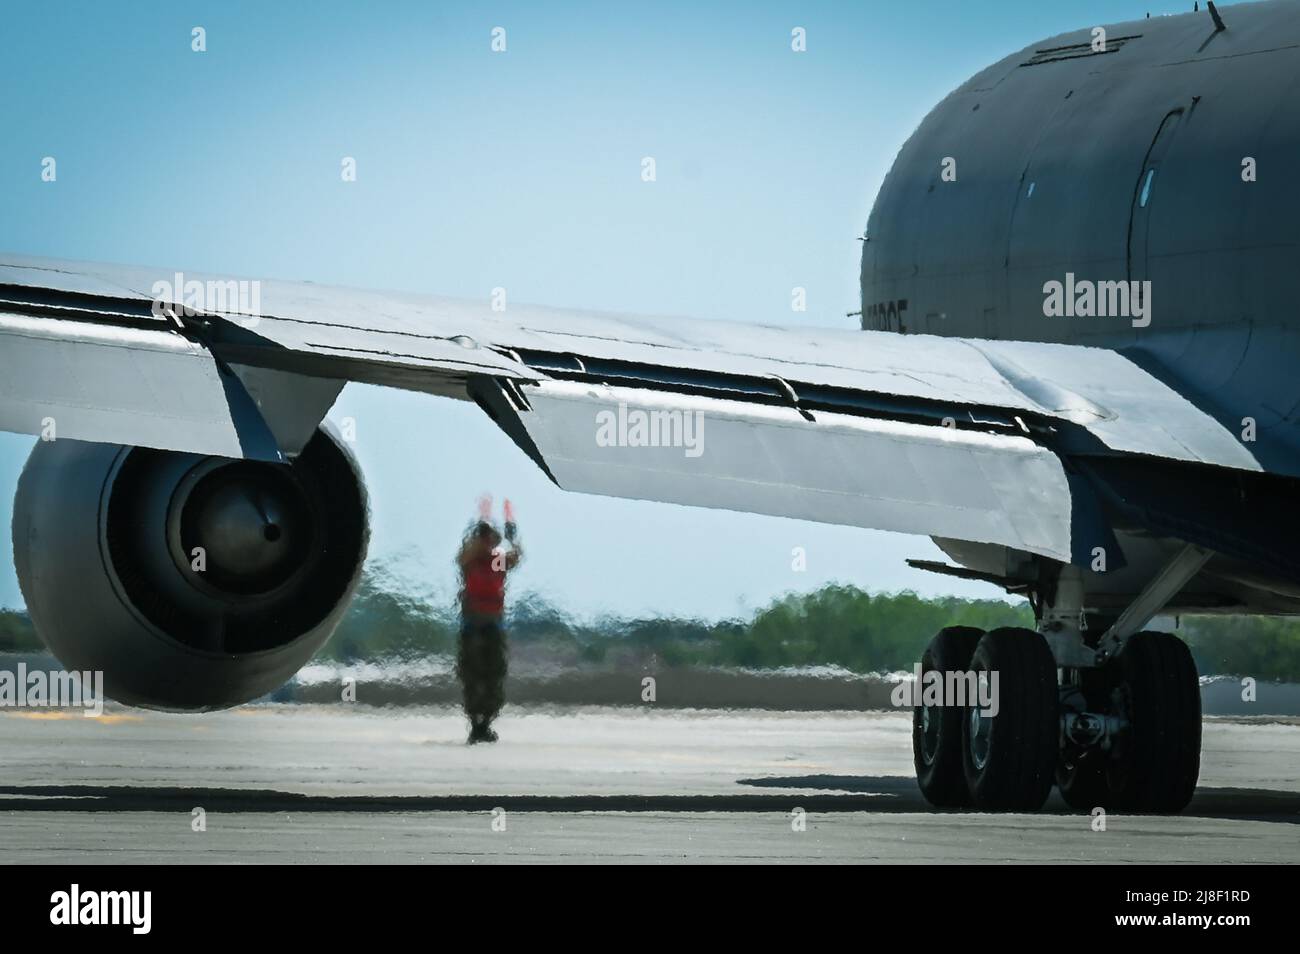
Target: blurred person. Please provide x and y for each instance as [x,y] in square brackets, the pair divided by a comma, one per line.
[481,661]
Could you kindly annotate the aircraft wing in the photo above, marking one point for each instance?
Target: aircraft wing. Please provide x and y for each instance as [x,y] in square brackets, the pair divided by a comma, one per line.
[967,439]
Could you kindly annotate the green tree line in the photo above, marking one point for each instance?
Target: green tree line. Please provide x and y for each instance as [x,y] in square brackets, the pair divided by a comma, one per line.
[837,625]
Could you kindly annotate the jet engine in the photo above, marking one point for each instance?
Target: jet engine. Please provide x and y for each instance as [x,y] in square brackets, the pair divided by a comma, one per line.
[191,582]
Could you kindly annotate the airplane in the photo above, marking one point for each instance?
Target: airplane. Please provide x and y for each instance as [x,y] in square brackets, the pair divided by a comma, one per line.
[1075,372]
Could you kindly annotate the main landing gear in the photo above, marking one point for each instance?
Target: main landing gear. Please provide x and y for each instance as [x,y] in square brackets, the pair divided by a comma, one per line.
[1114,720]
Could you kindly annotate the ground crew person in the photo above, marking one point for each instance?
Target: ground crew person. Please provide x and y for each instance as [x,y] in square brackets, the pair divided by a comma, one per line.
[481,662]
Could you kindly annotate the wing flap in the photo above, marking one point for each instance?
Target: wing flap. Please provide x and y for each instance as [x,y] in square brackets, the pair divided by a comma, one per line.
[67,380]
[867,472]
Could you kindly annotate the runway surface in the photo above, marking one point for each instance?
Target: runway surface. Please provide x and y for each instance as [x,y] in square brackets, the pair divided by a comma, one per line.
[345,783]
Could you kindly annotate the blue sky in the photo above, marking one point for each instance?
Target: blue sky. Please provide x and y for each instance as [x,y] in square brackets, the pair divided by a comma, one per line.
[519,169]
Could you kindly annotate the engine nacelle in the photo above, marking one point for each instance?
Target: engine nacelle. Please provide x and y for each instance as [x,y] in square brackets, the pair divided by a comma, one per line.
[191,582]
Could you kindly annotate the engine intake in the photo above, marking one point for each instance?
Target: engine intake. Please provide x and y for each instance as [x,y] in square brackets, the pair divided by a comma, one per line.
[191,582]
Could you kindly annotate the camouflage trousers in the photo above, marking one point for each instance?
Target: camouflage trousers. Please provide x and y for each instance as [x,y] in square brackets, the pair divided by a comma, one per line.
[481,667]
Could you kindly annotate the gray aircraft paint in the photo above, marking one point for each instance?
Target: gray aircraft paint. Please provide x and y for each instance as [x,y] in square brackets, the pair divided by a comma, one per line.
[1055,145]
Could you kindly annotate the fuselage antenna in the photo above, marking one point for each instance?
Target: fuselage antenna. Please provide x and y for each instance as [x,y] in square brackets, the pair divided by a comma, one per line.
[1214,12]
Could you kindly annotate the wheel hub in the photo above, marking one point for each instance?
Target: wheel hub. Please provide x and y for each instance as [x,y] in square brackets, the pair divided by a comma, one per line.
[980,729]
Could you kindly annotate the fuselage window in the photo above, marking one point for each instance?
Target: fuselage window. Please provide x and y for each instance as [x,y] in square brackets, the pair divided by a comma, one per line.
[1146,188]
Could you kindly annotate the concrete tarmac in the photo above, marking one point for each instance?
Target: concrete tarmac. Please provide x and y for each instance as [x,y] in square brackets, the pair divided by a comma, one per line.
[348,783]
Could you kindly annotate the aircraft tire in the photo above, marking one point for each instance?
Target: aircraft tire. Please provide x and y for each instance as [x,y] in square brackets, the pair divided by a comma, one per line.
[1009,757]
[1082,783]
[1158,758]
[937,730]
